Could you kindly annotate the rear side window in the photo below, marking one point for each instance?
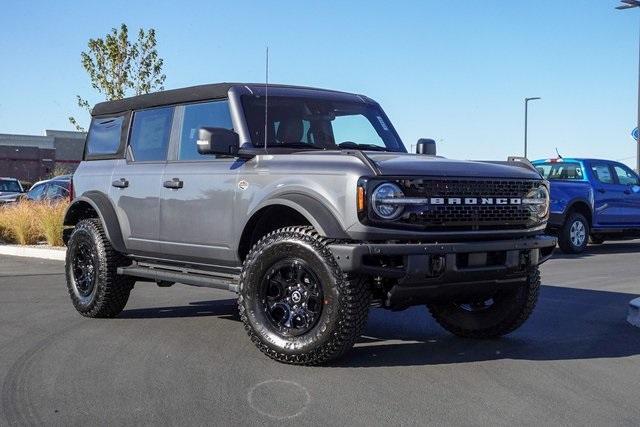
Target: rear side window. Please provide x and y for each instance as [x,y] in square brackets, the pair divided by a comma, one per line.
[104,136]
[561,170]
[602,173]
[208,114]
[150,133]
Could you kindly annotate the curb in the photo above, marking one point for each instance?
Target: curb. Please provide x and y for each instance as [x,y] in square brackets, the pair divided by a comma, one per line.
[33,252]
[634,312]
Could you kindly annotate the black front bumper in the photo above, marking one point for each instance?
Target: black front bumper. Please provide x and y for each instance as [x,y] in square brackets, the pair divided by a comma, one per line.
[423,272]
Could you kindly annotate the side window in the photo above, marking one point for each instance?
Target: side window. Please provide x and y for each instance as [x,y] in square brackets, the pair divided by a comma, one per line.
[208,114]
[602,173]
[36,192]
[625,175]
[104,136]
[356,128]
[56,191]
[150,133]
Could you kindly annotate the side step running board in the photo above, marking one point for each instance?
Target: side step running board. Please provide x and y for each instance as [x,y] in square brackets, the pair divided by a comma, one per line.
[227,282]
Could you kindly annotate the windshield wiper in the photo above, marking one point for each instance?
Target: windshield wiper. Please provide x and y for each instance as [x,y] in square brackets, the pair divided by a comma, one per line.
[353,146]
[296,145]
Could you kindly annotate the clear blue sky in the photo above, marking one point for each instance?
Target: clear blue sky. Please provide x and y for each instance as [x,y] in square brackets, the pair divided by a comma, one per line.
[456,71]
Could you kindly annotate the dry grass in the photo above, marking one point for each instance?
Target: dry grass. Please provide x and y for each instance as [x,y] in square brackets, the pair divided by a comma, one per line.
[28,223]
[49,217]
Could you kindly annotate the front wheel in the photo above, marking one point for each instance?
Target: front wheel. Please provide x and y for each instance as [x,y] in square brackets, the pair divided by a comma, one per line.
[296,304]
[489,316]
[574,235]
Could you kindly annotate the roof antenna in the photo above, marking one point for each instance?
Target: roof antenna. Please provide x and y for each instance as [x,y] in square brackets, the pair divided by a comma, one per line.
[266,97]
[558,153]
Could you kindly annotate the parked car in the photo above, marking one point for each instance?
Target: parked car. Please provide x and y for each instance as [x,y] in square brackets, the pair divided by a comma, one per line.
[591,199]
[10,190]
[57,188]
[307,206]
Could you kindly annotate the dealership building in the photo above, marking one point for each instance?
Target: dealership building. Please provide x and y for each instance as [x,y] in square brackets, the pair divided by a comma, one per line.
[34,157]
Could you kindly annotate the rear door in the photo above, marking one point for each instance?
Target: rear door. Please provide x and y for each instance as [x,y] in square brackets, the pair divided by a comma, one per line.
[629,186]
[137,180]
[198,193]
[608,195]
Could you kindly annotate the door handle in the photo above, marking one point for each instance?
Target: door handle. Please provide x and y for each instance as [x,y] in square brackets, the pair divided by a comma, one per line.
[601,190]
[175,183]
[120,183]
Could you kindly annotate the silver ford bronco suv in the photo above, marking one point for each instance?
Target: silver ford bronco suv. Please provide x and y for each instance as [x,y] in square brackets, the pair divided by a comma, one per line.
[306,204]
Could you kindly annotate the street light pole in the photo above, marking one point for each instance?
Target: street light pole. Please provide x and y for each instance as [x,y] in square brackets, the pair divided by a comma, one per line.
[526,118]
[630,4]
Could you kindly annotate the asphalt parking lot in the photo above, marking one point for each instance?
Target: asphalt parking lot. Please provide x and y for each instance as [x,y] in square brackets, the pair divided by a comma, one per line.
[180,356]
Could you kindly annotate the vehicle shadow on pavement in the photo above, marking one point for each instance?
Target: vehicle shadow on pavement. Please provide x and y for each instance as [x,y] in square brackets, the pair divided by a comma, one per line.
[567,324]
[604,249]
[225,309]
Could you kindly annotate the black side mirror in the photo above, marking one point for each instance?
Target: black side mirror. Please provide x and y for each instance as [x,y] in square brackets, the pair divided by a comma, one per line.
[218,141]
[426,146]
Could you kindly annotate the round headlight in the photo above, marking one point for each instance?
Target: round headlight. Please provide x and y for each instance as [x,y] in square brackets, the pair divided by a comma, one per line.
[382,201]
[538,200]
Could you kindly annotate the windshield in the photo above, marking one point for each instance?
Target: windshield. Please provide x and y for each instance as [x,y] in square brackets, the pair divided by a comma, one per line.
[312,123]
[10,185]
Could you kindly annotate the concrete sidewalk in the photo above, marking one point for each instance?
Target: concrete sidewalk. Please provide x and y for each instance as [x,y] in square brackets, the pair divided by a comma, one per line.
[43,252]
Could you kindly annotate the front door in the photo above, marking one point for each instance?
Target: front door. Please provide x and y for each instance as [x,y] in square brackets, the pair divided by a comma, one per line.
[198,193]
[137,181]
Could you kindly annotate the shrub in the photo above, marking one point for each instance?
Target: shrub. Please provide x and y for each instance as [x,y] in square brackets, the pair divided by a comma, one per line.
[27,223]
[48,220]
[18,222]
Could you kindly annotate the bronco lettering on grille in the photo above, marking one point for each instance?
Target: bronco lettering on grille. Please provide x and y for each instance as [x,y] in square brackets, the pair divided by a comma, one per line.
[474,201]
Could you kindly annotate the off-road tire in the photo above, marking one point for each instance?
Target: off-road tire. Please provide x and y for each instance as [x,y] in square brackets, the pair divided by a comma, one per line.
[564,237]
[345,303]
[509,311]
[110,290]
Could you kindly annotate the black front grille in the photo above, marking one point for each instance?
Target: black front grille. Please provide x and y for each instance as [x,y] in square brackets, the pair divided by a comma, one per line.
[467,188]
[460,217]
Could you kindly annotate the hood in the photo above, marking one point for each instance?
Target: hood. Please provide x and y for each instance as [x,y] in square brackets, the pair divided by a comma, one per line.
[404,164]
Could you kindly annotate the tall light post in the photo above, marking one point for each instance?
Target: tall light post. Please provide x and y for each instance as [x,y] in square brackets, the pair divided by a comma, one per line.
[630,4]
[526,114]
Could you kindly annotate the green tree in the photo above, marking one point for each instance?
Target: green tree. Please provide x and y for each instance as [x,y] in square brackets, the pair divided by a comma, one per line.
[118,68]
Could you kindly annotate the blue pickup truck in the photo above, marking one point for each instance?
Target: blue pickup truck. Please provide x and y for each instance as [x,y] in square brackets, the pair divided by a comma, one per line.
[591,200]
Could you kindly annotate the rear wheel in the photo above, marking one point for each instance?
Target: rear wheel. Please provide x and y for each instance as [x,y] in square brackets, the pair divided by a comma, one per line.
[93,283]
[296,304]
[574,235]
[491,315]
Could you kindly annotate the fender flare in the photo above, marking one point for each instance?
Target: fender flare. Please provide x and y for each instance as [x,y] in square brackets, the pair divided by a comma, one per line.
[100,203]
[573,202]
[318,215]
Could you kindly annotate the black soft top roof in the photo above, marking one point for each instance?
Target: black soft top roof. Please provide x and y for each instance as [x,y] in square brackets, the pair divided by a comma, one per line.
[177,96]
